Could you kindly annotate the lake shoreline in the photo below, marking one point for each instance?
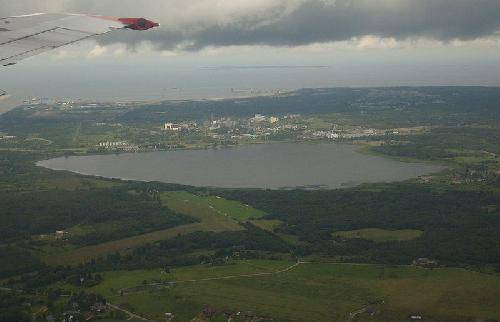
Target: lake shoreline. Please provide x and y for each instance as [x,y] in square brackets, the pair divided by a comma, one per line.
[317,154]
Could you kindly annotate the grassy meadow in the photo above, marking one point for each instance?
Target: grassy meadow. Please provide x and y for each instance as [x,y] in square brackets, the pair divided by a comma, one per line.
[309,292]
[380,235]
[211,204]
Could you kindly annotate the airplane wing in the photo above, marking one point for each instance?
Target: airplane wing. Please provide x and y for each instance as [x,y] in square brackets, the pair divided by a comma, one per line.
[25,36]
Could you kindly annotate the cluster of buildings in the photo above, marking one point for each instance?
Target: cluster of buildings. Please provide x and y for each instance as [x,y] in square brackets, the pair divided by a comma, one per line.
[263,126]
[177,127]
[97,311]
[259,118]
[252,128]
[6,137]
[57,104]
[117,146]
[260,92]
[332,135]
[346,134]
[57,235]
[230,128]
[225,122]
[256,121]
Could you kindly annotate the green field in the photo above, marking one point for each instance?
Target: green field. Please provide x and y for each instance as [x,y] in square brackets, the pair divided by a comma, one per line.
[380,235]
[271,224]
[210,219]
[268,224]
[221,206]
[85,254]
[310,292]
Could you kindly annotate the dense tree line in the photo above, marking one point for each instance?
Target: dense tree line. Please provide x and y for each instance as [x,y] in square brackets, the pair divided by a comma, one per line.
[179,251]
[81,276]
[212,247]
[443,143]
[17,260]
[388,107]
[252,238]
[13,307]
[458,226]
[110,214]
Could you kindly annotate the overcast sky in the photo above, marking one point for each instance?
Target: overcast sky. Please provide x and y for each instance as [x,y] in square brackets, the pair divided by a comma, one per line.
[408,41]
[195,24]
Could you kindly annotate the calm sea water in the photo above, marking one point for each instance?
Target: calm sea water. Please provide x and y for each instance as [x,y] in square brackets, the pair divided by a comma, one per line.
[159,78]
[270,166]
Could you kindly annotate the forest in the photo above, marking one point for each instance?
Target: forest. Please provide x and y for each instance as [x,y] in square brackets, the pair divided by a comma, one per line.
[455,214]
[460,227]
[383,107]
[109,214]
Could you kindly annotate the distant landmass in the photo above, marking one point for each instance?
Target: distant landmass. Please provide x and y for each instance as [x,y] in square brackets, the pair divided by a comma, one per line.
[263,67]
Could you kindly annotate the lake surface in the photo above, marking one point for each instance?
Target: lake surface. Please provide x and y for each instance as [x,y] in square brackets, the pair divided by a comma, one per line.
[270,166]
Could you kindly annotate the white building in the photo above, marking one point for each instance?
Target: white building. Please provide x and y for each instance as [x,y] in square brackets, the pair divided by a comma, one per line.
[273,119]
[171,127]
[258,118]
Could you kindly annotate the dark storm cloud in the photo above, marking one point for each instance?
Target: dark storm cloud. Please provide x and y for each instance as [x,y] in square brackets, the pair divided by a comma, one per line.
[298,22]
[316,21]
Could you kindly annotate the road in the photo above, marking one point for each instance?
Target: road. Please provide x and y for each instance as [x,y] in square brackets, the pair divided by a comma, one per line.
[130,314]
[76,135]
[124,291]
[352,316]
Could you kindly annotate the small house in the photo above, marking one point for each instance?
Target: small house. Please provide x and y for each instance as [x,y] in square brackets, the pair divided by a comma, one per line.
[425,262]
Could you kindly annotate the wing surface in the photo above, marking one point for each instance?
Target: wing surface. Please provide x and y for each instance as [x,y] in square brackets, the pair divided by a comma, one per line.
[29,35]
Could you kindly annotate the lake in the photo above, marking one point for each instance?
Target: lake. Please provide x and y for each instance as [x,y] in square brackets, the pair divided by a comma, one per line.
[271,166]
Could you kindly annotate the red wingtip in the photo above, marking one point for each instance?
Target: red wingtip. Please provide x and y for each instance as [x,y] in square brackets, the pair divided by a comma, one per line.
[138,23]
